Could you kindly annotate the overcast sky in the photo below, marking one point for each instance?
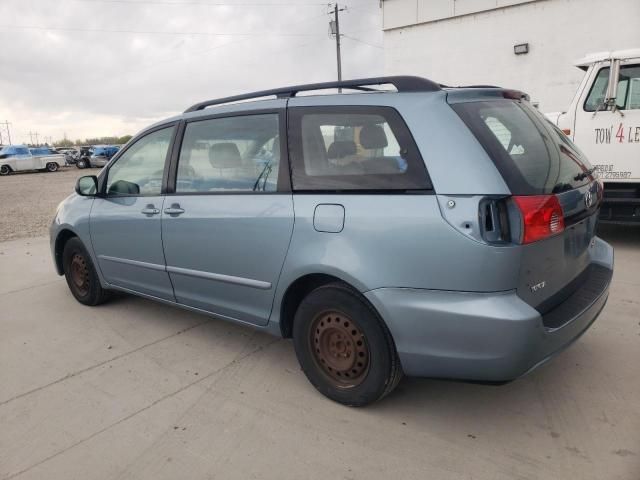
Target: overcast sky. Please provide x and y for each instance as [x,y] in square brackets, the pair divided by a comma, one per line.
[110,67]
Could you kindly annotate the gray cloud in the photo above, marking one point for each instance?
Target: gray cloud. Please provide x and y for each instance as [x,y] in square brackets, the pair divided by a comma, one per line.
[78,66]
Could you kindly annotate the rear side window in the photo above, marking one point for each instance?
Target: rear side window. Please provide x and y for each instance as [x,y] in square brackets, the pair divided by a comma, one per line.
[533,155]
[353,148]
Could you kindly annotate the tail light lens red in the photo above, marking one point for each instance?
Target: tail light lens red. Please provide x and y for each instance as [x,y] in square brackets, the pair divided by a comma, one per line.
[542,216]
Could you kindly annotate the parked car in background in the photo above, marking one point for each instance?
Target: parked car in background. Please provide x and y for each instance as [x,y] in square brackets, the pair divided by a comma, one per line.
[16,158]
[437,231]
[82,156]
[69,154]
[96,156]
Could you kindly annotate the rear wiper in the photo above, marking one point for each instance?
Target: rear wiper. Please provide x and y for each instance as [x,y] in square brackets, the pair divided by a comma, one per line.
[583,175]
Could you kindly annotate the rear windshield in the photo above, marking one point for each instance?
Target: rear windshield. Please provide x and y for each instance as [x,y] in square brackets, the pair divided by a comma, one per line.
[531,153]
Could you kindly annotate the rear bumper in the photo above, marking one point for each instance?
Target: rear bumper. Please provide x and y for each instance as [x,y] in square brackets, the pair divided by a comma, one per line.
[479,336]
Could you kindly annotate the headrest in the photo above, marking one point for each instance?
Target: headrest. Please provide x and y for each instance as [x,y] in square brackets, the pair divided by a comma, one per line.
[341,149]
[224,155]
[373,136]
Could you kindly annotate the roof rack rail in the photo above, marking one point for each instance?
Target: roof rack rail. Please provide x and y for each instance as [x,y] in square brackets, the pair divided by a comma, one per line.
[402,84]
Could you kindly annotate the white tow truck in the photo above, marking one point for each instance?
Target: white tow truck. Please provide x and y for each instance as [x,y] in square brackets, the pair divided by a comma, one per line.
[604,122]
[17,158]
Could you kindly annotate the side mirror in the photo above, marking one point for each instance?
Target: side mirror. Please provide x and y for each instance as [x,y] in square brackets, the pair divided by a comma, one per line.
[87,186]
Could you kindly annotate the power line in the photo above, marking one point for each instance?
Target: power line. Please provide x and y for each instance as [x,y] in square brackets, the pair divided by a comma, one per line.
[155,32]
[363,42]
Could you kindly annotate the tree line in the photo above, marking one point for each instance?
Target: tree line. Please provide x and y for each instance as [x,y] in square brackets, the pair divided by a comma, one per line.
[93,141]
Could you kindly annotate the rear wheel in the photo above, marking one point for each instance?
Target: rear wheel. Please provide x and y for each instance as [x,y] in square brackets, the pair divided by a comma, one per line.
[52,167]
[343,347]
[5,170]
[81,274]
[81,164]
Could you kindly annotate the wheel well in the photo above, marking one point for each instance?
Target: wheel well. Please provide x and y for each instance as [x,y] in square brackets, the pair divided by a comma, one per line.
[294,295]
[61,241]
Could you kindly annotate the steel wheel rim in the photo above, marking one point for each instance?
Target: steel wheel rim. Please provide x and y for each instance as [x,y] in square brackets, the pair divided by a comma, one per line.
[339,349]
[80,274]
[4,170]
[51,167]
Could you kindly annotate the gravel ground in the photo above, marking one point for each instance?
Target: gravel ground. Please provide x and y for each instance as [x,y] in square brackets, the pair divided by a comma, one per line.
[29,200]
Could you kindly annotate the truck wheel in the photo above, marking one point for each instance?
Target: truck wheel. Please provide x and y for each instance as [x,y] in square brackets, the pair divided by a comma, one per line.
[81,164]
[81,275]
[52,167]
[343,347]
[5,170]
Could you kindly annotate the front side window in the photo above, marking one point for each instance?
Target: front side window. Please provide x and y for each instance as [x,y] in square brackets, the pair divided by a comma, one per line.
[230,154]
[353,148]
[139,170]
[628,96]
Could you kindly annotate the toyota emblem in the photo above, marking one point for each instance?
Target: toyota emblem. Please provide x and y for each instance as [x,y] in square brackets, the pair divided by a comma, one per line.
[588,199]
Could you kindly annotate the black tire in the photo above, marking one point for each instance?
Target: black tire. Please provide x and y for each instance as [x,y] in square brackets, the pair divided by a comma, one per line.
[81,163]
[5,170]
[52,167]
[357,333]
[81,275]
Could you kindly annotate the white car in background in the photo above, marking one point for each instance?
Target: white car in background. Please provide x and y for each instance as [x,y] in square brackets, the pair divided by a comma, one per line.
[18,158]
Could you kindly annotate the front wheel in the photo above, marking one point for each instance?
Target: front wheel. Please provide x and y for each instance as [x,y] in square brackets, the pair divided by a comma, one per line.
[343,347]
[81,274]
[52,167]
[81,164]
[5,170]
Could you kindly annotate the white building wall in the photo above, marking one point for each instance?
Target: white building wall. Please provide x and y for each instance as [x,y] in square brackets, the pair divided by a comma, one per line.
[445,41]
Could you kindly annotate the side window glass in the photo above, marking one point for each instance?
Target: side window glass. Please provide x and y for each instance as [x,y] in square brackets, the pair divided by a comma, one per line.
[628,97]
[353,148]
[598,91]
[629,88]
[139,170]
[230,154]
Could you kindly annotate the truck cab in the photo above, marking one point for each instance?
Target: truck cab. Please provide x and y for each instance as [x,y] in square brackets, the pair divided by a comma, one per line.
[604,122]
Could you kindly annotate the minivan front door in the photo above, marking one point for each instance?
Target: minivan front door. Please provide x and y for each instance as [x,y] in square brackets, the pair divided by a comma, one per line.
[125,221]
[227,226]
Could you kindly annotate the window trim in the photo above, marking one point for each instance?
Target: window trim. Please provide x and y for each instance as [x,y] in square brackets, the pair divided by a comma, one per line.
[284,179]
[398,126]
[104,174]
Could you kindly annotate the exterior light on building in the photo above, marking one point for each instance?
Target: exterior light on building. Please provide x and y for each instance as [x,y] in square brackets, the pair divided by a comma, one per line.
[521,49]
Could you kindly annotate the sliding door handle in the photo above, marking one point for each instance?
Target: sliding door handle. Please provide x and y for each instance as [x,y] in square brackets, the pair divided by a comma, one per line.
[174,209]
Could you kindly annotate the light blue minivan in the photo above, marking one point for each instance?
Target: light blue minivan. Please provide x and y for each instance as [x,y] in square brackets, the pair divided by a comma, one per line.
[426,230]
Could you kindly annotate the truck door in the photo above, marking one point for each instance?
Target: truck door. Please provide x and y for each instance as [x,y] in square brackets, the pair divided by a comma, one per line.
[24,160]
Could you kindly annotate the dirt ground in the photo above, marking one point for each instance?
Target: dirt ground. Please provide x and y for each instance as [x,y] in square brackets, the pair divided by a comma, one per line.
[29,200]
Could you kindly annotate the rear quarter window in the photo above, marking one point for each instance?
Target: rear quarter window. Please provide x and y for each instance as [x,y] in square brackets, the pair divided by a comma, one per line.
[353,148]
[533,155]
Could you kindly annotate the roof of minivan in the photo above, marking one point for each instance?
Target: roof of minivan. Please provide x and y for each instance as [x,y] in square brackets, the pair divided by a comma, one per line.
[403,84]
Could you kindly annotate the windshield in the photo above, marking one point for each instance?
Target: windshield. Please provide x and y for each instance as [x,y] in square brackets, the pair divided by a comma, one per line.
[533,155]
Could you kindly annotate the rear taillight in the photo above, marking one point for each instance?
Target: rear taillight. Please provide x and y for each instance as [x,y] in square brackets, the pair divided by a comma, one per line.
[542,216]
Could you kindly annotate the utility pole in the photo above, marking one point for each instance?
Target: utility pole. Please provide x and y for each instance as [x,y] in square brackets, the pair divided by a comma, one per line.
[335,30]
[5,124]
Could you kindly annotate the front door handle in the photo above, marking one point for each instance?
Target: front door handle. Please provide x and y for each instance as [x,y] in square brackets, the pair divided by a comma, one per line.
[150,210]
[174,209]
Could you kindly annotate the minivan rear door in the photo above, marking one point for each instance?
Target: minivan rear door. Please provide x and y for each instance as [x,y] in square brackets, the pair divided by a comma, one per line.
[542,168]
